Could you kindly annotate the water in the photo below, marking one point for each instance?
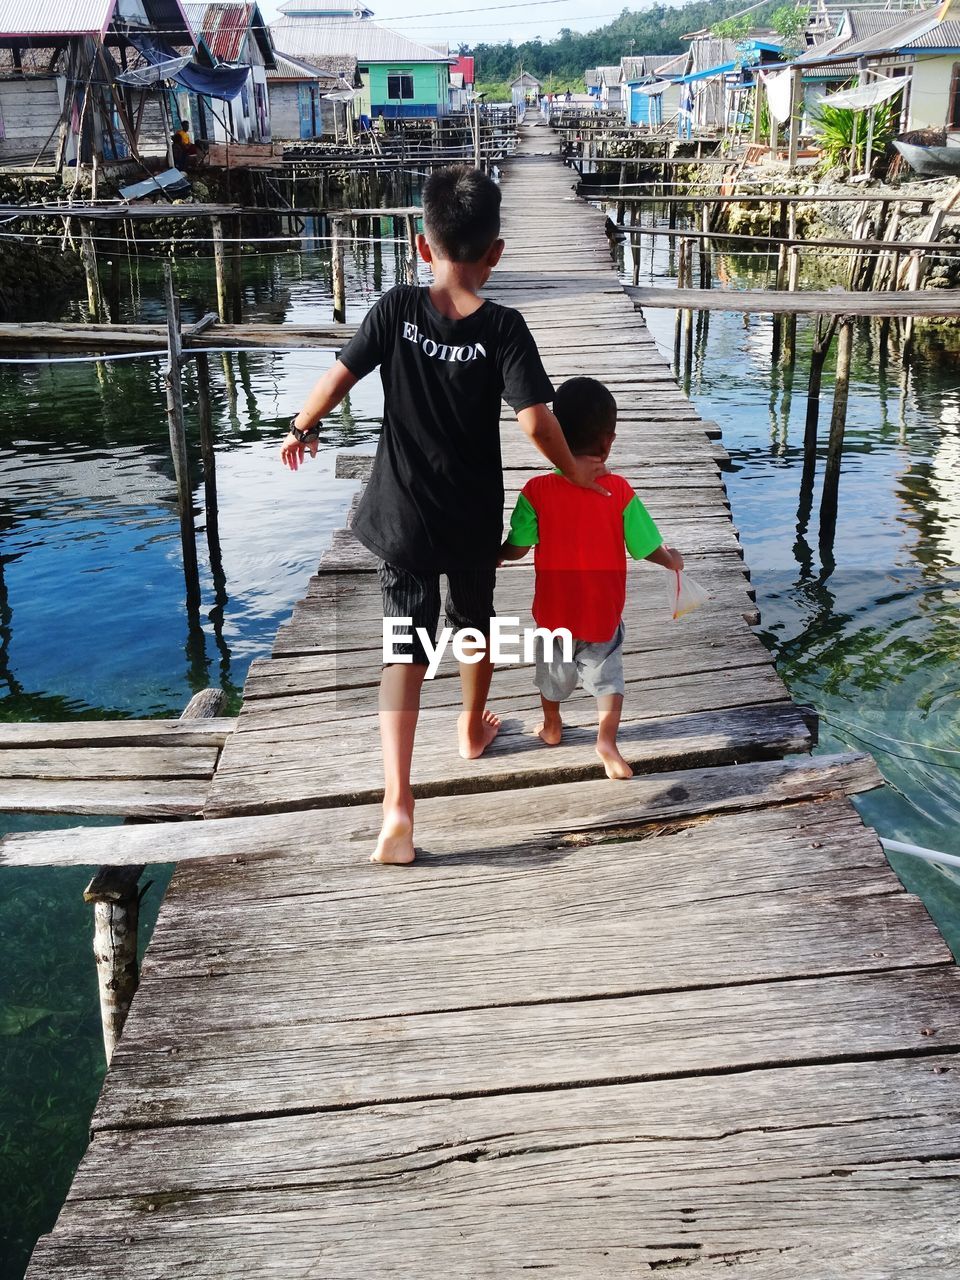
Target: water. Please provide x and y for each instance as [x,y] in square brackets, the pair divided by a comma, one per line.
[864,627]
[92,620]
[92,624]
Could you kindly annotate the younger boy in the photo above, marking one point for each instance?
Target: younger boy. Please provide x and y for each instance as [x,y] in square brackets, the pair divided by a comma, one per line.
[434,502]
[581,568]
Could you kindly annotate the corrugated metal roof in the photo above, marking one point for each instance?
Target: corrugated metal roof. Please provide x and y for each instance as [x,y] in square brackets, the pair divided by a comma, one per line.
[608,75]
[225,28]
[359,38]
[945,35]
[326,8]
[293,69]
[39,18]
[590,78]
[898,36]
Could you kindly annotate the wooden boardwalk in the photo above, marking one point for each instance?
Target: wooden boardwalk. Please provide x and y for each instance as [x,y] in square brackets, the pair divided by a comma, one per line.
[598,1029]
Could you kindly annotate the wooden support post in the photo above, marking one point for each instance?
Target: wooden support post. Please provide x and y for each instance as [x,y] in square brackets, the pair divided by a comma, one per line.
[236,274]
[208,454]
[220,269]
[114,298]
[790,322]
[476,134]
[115,894]
[338,266]
[778,318]
[823,337]
[796,96]
[705,267]
[411,248]
[678,322]
[838,422]
[88,256]
[757,100]
[178,441]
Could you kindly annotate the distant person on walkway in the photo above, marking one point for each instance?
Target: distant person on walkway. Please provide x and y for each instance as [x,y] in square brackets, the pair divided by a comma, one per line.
[568,96]
[581,540]
[434,501]
[183,149]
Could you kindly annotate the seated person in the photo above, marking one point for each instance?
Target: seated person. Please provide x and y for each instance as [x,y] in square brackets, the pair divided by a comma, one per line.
[183,149]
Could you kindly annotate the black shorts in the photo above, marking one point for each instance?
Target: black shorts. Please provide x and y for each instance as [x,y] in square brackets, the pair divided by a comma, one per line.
[469,602]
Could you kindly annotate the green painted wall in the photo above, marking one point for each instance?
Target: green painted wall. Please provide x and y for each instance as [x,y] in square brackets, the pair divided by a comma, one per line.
[430,86]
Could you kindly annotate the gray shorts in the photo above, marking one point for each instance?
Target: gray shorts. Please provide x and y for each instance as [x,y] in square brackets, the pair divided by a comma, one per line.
[599,664]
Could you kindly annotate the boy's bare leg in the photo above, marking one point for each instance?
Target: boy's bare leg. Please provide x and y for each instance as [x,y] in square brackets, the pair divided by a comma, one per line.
[477,727]
[400,687]
[609,706]
[551,731]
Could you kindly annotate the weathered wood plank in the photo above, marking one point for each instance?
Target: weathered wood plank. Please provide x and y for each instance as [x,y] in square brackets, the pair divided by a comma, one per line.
[129,799]
[114,733]
[314,1063]
[561,810]
[628,1169]
[106,763]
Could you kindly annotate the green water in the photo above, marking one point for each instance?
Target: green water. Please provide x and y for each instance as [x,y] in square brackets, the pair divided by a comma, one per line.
[92,624]
[92,620]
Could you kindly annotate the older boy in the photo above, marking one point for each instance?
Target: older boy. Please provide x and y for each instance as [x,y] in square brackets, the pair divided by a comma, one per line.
[434,502]
[581,568]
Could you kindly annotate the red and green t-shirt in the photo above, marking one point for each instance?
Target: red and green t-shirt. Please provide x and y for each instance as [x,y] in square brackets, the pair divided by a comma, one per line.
[581,539]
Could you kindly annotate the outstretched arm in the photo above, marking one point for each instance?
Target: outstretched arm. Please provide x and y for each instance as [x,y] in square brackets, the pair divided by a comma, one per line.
[325,396]
[542,428]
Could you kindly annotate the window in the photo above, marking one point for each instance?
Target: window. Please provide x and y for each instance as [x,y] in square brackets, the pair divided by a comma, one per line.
[399,85]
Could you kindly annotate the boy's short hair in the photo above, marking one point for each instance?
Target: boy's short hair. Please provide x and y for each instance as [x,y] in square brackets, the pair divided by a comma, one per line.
[587,412]
[461,213]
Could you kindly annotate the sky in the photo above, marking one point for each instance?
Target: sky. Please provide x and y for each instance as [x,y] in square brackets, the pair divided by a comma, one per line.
[472,22]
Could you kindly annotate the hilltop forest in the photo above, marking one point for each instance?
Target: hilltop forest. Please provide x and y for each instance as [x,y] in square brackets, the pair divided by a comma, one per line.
[560,63]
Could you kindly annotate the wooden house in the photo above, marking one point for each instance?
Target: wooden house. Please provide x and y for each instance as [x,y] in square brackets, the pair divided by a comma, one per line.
[62,96]
[300,105]
[611,93]
[651,94]
[400,78]
[523,90]
[921,49]
[234,36]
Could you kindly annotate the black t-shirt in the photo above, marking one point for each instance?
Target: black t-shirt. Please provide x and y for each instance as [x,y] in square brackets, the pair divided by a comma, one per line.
[435,498]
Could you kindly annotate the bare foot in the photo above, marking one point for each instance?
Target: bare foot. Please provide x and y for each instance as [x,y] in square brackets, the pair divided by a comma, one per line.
[395,843]
[613,762]
[475,743]
[550,732]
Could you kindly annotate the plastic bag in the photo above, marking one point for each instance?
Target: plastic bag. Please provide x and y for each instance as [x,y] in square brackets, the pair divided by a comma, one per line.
[685,594]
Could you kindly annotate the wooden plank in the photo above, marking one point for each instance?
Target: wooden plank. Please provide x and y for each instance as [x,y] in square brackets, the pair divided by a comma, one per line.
[128,799]
[441,1166]
[106,763]
[114,733]
[561,810]
[259,777]
[220,1070]
[922,302]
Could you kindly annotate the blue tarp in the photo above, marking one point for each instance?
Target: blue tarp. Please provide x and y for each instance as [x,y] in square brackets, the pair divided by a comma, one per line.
[707,74]
[213,82]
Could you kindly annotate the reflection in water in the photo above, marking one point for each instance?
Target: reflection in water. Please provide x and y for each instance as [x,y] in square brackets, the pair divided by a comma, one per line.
[92,624]
[864,622]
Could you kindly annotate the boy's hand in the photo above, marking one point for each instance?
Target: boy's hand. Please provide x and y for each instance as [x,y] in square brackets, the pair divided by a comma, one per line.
[675,558]
[585,472]
[293,451]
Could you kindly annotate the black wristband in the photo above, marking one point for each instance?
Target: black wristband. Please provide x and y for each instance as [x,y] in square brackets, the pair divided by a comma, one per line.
[303,437]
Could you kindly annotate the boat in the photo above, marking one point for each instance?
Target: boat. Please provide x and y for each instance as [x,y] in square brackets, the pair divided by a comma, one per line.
[931,162]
